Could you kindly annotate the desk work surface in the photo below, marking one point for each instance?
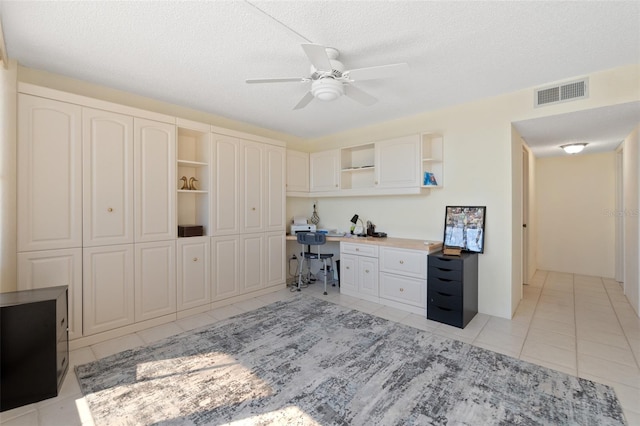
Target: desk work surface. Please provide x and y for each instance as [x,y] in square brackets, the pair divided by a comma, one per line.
[406,243]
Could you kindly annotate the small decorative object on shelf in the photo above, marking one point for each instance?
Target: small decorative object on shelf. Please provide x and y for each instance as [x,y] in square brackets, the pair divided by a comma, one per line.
[185,184]
[452,251]
[429,179]
[192,183]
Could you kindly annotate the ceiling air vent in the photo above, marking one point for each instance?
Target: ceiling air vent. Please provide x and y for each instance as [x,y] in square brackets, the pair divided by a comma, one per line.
[562,92]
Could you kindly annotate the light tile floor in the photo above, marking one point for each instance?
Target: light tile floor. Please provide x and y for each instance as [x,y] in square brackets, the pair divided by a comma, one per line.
[580,325]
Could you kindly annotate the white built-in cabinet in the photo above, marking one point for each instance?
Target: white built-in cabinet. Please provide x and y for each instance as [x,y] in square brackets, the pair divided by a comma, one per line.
[324,169]
[100,197]
[194,288]
[297,171]
[49,174]
[398,163]
[359,271]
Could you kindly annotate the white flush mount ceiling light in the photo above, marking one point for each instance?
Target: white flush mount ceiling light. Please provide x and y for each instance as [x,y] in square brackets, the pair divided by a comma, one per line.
[573,148]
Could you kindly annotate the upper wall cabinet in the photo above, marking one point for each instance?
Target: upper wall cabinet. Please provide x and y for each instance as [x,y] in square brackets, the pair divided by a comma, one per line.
[297,171]
[194,155]
[107,150]
[275,195]
[324,170]
[398,162]
[155,180]
[49,174]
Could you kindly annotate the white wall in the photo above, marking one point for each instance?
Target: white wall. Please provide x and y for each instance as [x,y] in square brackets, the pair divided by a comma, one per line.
[631,217]
[8,244]
[575,211]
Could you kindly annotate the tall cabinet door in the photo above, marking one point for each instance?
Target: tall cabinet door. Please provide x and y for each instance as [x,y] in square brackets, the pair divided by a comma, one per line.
[107,140]
[155,180]
[225,267]
[51,268]
[252,262]
[275,261]
[155,279]
[107,288]
[275,188]
[225,186]
[49,174]
[194,288]
[252,187]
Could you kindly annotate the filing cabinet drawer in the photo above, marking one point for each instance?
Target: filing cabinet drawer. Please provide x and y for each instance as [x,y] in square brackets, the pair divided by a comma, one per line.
[447,274]
[443,262]
[444,300]
[451,287]
[369,250]
[445,316]
[407,290]
[412,263]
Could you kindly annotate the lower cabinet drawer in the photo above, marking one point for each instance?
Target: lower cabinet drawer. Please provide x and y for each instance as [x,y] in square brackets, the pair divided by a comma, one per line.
[444,300]
[401,289]
[444,315]
[449,274]
[445,286]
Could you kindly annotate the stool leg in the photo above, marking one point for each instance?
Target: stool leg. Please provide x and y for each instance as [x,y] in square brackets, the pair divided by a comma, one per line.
[325,276]
[332,280]
[300,276]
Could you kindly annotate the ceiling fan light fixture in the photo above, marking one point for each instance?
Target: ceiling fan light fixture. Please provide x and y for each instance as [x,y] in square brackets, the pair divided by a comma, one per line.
[327,89]
[573,148]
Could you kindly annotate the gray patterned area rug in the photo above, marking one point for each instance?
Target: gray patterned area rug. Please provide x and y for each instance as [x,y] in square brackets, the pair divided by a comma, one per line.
[309,362]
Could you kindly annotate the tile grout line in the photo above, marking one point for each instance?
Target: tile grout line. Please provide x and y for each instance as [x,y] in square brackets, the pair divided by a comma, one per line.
[615,311]
[575,322]
[526,335]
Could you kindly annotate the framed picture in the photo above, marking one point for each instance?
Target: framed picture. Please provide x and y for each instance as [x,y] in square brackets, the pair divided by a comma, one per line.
[464,228]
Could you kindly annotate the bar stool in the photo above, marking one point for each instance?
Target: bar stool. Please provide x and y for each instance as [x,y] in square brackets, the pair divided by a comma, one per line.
[313,239]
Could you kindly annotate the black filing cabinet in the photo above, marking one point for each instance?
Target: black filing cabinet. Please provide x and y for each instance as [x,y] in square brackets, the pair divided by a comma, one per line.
[34,345]
[452,288]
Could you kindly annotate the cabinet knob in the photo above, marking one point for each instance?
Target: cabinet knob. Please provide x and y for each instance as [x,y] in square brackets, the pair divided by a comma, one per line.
[109,209]
[253,208]
[366,270]
[402,262]
[336,185]
[401,289]
[346,267]
[376,182]
[357,249]
[195,259]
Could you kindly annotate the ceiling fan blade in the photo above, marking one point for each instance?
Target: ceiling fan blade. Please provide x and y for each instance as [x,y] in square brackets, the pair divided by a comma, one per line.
[383,71]
[359,95]
[318,56]
[278,80]
[304,101]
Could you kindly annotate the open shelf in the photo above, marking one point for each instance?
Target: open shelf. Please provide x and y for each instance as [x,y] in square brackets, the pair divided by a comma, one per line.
[432,159]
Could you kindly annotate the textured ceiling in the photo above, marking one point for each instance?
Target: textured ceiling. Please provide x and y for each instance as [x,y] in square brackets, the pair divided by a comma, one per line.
[199,54]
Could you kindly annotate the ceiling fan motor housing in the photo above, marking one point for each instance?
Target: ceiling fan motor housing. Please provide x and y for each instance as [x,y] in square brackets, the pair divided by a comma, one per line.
[327,89]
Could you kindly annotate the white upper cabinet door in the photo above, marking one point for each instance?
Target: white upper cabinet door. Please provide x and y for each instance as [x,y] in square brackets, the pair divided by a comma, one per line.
[275,195]
[325,170]
[155,180]
[398,162]
[252,187]
[225,185]
[225,266]
[107,140]
[51,268]
[155,279]
[297,171]
[194,286]
[49,174]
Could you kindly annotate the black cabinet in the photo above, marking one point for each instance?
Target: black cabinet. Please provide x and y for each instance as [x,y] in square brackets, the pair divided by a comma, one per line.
[34,345]
[452,288]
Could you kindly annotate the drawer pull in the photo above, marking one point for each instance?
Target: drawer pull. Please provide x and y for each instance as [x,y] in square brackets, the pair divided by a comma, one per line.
[445,280]
[444,309]
[402,262]
[357,249]
[195,259]
[444,294]
[444,269]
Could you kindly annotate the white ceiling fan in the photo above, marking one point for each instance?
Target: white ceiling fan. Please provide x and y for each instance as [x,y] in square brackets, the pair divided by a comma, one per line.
[329,80]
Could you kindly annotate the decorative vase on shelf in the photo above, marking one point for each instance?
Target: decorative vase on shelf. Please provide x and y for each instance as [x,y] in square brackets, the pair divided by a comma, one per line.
[185,184]
[192,184]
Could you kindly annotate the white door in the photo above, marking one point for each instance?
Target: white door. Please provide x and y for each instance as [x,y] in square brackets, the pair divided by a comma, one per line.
[225,266]
[107,288]
[155,279]
[51,268]
[225,186]
[275,192]
[107,150]
[275,261]
[155,180]
[398,162]
[324,170]
[297,171]
[252,187]
[368,276]
[252,262]
[49,174]
[194,287]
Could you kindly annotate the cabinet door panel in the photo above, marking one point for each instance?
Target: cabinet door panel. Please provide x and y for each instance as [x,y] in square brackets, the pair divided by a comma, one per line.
[398,162]
[275,195]
[225,267]
[107,288]
[324,170]
[155,279]
[252,266]
[297,171]
[225,185]
[348,264]
[155,180]
[368,276]
[194,287]
[275,262]
[107,140]
[49,174]
[51,268]
[252,184]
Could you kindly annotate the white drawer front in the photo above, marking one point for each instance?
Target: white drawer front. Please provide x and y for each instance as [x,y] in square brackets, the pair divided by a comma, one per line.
[359,249]
[406,290]
[412,263]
